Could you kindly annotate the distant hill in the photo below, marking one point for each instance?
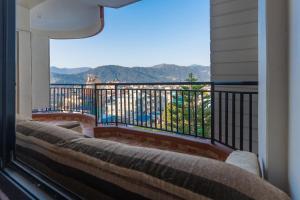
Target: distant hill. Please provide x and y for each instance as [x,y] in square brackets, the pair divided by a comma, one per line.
[157,73]
[69,70]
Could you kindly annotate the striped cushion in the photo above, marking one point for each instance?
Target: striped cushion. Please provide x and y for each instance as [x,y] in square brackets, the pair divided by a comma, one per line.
[94,165]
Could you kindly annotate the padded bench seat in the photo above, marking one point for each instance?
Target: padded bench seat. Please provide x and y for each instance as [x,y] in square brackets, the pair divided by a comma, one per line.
[101,169]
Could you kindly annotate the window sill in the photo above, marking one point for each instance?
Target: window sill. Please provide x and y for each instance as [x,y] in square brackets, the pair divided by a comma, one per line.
[19,181]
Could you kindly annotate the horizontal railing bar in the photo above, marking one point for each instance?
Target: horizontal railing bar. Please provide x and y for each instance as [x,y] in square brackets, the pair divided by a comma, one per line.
[70,84]
[168,90]
[244,83]
[178,90]
[232,92]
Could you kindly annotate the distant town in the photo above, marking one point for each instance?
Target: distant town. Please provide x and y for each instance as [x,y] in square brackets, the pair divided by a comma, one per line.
[151,104]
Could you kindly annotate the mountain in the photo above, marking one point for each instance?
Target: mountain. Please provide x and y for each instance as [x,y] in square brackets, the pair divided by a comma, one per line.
[57,70]
[157,73]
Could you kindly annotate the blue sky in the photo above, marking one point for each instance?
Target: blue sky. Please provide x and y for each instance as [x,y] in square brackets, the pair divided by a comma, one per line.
[146,33]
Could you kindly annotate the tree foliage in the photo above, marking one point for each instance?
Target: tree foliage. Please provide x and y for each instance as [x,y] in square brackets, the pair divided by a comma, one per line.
[189,112]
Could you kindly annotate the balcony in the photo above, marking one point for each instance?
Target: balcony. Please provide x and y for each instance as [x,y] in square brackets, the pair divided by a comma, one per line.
[215,116]
[219,112]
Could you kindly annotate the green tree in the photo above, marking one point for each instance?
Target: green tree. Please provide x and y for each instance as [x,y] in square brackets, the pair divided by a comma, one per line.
[185,110]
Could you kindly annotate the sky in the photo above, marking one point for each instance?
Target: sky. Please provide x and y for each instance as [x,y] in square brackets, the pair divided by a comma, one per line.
[146,33]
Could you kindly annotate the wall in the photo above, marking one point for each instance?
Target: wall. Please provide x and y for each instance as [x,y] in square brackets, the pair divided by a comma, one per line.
[40,71]
[22,18]
[24,97]
[279,93]
[234,57]
[273,90]
[294,94]
[23,68]
[32,74]
[262,104]
[234,40]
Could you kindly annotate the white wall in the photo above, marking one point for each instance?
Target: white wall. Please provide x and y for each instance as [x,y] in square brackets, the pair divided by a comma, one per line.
[40,71]
[22,18]
[262,71]
[24,94]
[273,91]
[33,75]
[23,68]
[234,40]
[279,73]
[294,108]
[234,57]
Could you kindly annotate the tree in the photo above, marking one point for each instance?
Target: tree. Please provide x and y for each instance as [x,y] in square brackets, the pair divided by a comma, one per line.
[185,111]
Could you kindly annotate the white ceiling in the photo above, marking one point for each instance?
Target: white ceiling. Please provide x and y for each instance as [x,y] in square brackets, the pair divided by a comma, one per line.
[106,3]
[29,3]
[111,3]
[58,17]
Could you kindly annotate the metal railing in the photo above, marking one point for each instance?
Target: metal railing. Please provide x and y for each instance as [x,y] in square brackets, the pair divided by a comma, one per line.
[72,98]
[224,112]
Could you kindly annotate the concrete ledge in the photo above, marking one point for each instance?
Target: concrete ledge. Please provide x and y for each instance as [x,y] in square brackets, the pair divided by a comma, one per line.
[84,118]
[159,140]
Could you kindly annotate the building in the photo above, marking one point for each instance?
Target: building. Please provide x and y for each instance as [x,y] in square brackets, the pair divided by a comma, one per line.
[92,79]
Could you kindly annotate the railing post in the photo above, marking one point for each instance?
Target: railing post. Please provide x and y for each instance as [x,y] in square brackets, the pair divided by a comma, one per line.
[212,131]
[116,104]
[95,104]
[49,106]
[82,103]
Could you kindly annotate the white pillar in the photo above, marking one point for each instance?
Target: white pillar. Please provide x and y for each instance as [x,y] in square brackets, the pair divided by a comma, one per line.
[294,99]
[273,91]
[40,70]
[23,63]
[23,74]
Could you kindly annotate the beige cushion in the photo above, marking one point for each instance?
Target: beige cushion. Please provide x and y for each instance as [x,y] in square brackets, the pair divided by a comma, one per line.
[245,160]
[22,118]
[50,133]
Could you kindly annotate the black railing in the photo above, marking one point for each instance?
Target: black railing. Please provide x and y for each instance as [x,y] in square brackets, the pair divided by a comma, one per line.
[72,98]
[220,111]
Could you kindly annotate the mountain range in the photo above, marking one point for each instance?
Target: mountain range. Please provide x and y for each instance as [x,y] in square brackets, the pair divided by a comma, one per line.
[157,73]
